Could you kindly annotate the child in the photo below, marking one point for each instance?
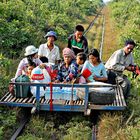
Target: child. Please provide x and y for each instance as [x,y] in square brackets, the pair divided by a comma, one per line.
[95,67]
[31,65]
[80,60]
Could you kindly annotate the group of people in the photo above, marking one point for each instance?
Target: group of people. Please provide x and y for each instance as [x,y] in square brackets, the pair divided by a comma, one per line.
[78,62]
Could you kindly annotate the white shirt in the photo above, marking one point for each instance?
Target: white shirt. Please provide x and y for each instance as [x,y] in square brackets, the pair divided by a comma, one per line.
[52,55]
[118,61]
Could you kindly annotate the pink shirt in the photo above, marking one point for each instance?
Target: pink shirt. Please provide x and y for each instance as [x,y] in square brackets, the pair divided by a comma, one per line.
[22,67]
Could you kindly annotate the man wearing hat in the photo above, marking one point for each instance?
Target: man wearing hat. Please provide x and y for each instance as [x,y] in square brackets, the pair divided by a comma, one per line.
[49,49]
[77,42]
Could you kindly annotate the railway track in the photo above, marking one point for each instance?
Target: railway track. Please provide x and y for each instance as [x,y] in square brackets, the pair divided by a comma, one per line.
[95,126]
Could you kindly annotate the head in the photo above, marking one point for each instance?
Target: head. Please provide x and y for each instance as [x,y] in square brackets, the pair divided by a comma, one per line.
[68,55]
[31,52]
[94,56]
[51,36]
[81,58]
[31,65]
[129,46]
[79,29]
[44,59]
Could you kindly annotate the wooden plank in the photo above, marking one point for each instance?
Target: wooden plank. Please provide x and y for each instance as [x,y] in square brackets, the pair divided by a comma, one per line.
[34,100]
[4,96]
[13,99]
[122,97]
[5,100]
[17,99]
[25,100]
[117,98]
[21,100]
[30,100]
[42,100]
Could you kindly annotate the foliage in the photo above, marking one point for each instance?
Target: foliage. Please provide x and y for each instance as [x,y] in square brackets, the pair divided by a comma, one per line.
[126,15]
[7,121]
[58,126]
[25,22]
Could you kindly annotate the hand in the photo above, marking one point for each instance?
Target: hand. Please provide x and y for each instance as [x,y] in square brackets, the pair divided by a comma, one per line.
[95,78]
[42,65]
[129,68]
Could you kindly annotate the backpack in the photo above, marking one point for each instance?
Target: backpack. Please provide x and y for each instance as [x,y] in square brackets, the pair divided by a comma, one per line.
[22,91]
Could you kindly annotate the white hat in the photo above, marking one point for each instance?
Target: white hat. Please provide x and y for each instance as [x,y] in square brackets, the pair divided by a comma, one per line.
[30,50]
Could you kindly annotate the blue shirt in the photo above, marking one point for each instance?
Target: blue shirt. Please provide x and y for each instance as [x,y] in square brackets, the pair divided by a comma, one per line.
[98,70]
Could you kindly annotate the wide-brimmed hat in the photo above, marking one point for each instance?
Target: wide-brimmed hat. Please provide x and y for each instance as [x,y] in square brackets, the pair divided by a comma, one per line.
[30,50]
[51,33]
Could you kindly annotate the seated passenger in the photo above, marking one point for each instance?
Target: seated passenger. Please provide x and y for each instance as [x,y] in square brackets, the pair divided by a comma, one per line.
[44,59]
[68,70]
[49,49]
[30,67]
[30,56]
[94,67]
[80,60]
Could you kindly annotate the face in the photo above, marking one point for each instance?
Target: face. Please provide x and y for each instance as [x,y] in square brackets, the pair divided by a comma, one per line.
[67,59]
[79,61]
[93,59]
[29,69]
[128,49]
[51,39]
[35,56]
[78,34]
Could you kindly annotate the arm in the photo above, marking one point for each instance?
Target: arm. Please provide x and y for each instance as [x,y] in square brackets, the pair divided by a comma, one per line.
[69,41]
[40,51]
[85,46]
[73,72]
[103,74]
[116,61]
[19,69]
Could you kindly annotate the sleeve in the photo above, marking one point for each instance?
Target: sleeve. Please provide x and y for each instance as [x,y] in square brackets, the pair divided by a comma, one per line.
[38,62]
[85,46]
[73,72]
[104,73]
[40,50]
[69,41]
[58,54]
[19,69]
[114,62]
[59,75]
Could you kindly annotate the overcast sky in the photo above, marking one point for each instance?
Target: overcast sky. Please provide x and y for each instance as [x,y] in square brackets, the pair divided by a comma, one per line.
[106,1]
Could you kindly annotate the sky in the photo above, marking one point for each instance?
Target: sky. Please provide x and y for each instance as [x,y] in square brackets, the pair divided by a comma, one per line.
[106,1]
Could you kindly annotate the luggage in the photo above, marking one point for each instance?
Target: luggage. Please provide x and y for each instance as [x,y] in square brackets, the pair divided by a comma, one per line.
[102,95]
[61,93]
[22,91]
[98,95]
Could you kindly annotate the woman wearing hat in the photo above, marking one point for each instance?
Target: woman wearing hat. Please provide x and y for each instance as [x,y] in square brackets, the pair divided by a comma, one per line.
[30,56]
[68,70]
[49,49]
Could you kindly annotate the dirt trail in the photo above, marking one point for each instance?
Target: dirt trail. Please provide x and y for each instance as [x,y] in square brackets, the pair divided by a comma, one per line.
[110,38]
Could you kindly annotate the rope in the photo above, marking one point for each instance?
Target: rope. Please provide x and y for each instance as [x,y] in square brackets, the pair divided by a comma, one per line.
[51,103]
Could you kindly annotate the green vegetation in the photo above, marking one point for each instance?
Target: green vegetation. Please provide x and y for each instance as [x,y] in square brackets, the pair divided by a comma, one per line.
[126,126]
[24,22]
[59,126]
